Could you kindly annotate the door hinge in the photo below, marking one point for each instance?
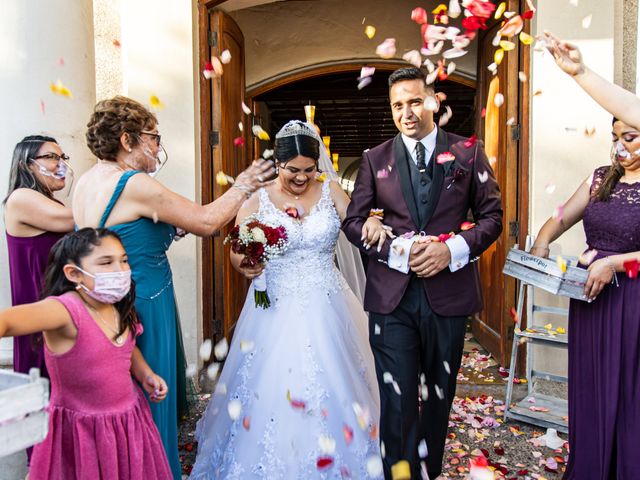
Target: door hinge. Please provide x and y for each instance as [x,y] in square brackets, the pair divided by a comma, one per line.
[214,138]
[213,38]
[514,229]
[515,132]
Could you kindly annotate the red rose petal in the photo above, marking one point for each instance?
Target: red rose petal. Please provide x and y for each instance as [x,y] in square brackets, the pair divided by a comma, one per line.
[324,462]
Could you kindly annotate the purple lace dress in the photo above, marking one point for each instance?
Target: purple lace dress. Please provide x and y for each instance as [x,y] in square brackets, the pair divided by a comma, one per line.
[604,350]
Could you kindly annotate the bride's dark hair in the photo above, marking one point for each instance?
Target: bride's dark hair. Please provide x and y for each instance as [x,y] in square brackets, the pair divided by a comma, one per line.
[287,148]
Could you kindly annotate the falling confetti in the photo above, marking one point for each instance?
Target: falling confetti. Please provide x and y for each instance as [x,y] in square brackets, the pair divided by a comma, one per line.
[238,141]
[387,49]
[42,107]
[374,466]
[498,100]
[221,349]
[225,57]
[246,346]
[191,370]
[467,226]
[419,15]
[558,213]
[586,21]
[370,31]
[413,57]
[223,179]
[212,371]
[500,10]
[234,408]
[483,176]
[631,267]
[59,89]
[550,188]
[259,132]
[205,350]
[445,117]
[116,43]
[364,82]
[246,422]
[445,157]
[522,77]
[525,38]
[246,109]
[155,102]
[454,9]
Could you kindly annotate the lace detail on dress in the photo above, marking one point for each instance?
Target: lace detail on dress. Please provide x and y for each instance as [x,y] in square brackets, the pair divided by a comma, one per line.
[308,264]
[613,226]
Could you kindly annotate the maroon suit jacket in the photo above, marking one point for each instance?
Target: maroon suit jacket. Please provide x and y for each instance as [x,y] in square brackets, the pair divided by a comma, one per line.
[464,185]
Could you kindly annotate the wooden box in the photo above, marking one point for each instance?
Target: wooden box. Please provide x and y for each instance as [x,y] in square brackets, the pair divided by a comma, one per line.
[546,274]
[23,419]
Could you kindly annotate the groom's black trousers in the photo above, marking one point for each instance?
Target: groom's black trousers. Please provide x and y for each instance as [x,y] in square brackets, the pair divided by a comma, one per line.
[413,340]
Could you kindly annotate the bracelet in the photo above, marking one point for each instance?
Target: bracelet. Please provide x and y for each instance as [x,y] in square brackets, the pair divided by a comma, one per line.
[377,213]
[614,280]
[244,189]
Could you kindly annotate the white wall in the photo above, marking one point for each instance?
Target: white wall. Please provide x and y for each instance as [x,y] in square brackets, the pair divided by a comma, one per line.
[561,154]
[36,34]
[159,58]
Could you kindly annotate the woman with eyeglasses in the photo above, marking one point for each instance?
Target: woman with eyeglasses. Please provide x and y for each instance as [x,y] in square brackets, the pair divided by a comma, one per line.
[34,221]
[120,193]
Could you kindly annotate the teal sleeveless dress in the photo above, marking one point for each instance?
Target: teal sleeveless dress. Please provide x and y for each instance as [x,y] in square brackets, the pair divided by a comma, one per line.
[146,244]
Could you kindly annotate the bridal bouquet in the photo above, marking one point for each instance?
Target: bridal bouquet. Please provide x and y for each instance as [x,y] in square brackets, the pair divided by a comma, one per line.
[259,243]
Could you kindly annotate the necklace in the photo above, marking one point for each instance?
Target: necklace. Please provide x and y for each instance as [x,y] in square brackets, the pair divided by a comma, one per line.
[119,338]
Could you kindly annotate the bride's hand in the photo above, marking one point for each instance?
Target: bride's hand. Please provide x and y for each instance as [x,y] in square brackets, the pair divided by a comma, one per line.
[374,231]
[251,272]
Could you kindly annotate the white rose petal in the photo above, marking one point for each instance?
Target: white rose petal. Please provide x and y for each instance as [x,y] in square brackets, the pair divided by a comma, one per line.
[221,349]
[234,407]
[205,350]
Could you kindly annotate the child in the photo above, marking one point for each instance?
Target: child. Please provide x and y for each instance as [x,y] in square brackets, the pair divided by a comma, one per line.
[100,423]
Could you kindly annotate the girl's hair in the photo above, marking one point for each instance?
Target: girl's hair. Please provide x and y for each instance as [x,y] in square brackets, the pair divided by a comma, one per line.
[113,117]
[20,175]
[72,248]
[287,148]
[611,178]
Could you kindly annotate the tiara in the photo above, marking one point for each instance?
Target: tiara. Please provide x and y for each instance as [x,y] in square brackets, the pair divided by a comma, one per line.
[297,127]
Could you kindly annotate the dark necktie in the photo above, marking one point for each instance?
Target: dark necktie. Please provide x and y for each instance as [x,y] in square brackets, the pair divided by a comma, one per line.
[420,157]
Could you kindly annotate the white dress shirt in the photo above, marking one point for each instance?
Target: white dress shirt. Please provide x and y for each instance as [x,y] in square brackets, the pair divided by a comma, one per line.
[401,247]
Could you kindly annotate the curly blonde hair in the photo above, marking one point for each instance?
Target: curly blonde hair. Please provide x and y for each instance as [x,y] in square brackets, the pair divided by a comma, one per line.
[113,117]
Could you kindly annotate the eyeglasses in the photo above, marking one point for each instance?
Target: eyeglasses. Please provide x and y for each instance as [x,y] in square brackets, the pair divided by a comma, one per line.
[53,156]
[156,136]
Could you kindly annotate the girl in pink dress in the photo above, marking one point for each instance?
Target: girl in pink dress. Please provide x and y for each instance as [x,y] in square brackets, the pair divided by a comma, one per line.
[100,424]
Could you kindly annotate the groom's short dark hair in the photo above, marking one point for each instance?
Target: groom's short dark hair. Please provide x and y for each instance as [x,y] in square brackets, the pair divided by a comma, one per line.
[408,73]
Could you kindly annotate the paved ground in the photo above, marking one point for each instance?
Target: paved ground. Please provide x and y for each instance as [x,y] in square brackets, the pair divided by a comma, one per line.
[476,429]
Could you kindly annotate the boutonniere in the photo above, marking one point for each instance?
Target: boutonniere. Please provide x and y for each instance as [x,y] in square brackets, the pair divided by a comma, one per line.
[457,174]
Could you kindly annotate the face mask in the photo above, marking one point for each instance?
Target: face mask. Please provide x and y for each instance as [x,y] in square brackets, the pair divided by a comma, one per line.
[109,287]
[621,151]
[60,172]
[160,159]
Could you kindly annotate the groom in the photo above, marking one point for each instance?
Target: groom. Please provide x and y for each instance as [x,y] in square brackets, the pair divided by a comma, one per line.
[419,294]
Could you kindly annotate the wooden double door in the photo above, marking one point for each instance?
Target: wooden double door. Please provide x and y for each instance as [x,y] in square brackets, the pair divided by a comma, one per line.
[504,130]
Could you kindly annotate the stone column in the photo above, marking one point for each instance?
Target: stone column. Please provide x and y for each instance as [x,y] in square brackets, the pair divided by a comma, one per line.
[43,41]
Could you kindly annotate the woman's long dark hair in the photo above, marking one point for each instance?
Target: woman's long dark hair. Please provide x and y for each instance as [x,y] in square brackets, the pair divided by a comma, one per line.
[72,248]
[611,178]
[20,175]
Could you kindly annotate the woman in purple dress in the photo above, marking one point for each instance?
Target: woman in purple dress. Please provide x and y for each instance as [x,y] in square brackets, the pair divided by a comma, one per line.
[34,221]
[604,333]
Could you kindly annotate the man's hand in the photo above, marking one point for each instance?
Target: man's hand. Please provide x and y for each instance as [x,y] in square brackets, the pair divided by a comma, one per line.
[429,259]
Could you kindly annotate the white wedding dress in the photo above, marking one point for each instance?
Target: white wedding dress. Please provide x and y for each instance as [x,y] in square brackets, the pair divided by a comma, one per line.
[302,370]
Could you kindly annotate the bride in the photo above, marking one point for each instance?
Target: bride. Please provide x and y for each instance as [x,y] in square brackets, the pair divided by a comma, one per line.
[297,397]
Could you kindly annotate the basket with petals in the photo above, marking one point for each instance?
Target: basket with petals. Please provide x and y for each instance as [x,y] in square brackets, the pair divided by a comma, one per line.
[258,242]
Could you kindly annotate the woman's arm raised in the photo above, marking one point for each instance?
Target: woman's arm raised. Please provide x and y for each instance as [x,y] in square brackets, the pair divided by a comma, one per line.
[621,103]
[155,201]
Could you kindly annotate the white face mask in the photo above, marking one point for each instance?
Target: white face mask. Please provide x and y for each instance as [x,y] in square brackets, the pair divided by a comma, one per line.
[60,173]
[108,287]
[160,159]
[619,150]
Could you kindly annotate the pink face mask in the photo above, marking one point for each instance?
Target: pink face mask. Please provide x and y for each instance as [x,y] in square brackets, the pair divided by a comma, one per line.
[109,287]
